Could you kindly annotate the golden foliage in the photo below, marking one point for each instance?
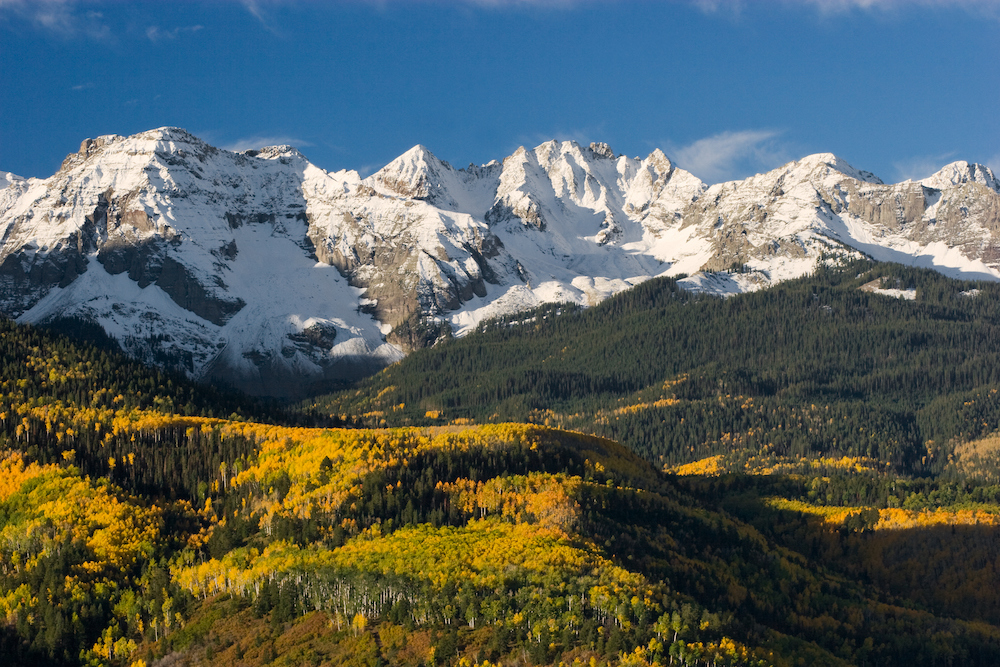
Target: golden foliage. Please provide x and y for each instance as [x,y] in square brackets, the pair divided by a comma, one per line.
[768,464]
[485,553]
[893,518]
[57,509]
[536,498]
[638,407]
[977,458]
[325,467]
[706,466]
[14,473]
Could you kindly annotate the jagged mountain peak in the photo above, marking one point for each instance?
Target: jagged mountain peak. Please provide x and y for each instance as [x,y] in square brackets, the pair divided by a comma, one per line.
[552,151]
[414,174]
[261,268]
[595,174]
[419,152]
[663,168]
[658,157]
[169,144]
[418,157]
[599,195]
[828,164]
[961,172]
[170,133]
[601,149]
[192,257]
[162,140]
[421,175]
[88,148]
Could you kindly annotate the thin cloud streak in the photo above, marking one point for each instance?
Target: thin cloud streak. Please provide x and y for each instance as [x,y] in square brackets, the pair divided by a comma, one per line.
[366,170]
[547,4]
[257,7]
[845,5]
[156,34]
[258,13]
[58,17]
[994,164]
[921,166]
[731,155]
[989,8]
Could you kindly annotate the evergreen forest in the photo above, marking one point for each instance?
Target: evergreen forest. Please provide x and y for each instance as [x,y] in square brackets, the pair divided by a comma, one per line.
[813,367]
[802,475]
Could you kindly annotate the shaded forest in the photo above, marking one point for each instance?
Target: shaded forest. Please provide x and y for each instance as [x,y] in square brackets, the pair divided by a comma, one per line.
[812,367]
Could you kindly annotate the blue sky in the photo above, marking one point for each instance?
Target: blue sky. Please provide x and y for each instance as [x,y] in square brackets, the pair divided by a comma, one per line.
[726,89]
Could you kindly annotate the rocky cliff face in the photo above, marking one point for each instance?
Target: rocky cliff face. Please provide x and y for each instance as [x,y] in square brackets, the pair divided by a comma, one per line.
[777,225]
[193,258]
[262,270]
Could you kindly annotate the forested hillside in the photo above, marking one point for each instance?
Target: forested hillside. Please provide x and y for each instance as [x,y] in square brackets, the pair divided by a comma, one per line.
[816,366]
[148,521]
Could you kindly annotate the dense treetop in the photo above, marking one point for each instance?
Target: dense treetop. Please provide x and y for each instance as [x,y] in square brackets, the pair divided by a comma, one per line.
[813,366]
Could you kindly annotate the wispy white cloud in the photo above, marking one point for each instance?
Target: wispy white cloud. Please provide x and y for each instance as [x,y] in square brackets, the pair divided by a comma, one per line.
[257,10]
[499,4]
[921,166]
[71,19]
[994,164]
[715,6]
[844,5]
[366,170]
[731,155]
[83,86]
[60,17]
[157,34]
[257,142]
[735,7]
[554,4]
[261,9]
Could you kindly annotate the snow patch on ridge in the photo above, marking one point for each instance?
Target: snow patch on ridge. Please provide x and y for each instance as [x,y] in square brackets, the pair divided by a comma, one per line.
[958,173]
[7,178]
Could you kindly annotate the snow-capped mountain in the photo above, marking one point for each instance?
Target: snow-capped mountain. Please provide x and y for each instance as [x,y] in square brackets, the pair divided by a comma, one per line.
[262,270]
[191,257]
[778,224]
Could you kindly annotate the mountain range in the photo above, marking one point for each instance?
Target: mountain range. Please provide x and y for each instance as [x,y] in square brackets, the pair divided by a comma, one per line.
[260,270]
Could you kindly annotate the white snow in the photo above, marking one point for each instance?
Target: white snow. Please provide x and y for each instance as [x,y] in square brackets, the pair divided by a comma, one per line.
[7,178]
[284,290]
[556,223]
[908,294]
[959,173]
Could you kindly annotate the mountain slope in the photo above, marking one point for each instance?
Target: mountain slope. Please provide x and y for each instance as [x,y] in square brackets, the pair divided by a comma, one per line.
[831,364]
[260,270]
[134,532]
[189,256]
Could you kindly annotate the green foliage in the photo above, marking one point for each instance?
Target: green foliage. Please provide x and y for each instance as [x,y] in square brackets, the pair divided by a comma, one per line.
[133,525]
[61,397]
[82,564]
[812,366]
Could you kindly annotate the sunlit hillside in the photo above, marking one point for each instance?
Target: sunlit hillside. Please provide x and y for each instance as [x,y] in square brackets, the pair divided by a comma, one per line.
[148,521]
